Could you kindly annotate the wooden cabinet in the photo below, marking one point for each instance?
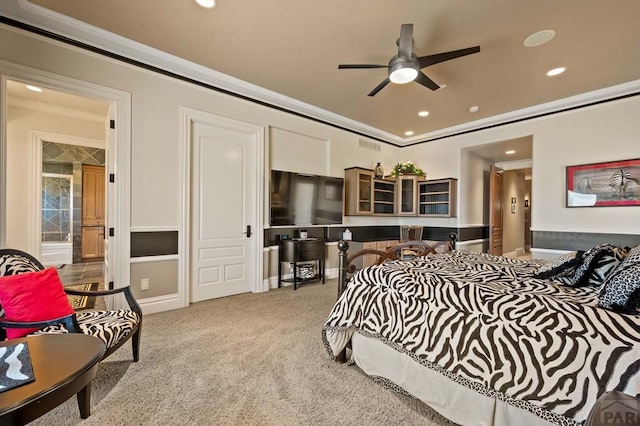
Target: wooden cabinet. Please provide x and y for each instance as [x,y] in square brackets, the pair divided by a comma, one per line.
[384,197]
[437,198]
[370,259]
[358,191]
[93,207]
[92,242]
[407,188]
[366,195]
[93,195]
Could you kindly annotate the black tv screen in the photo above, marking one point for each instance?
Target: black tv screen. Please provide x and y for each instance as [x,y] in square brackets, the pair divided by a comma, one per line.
[303,199]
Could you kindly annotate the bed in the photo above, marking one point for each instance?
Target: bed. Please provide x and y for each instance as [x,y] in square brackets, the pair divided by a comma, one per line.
[484,340]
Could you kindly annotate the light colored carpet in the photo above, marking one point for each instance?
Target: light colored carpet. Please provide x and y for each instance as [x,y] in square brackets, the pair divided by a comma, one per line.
[252,359]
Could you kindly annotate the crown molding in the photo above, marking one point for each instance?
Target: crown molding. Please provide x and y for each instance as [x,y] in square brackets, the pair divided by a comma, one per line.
[45,19]
[566,104]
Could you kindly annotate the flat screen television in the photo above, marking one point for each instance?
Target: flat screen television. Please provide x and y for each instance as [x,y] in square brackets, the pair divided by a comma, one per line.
[299,199]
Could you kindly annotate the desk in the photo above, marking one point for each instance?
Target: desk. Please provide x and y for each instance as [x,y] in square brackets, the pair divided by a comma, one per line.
[63,366]
[301,250]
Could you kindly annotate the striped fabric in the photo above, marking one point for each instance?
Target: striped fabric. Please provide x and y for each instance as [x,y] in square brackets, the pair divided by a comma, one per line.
[109,326]
[485,323]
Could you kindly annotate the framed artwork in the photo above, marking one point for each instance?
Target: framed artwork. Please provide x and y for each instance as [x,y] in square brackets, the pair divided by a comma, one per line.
[614,183]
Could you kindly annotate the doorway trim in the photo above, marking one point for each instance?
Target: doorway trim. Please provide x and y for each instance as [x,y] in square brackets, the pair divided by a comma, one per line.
[188,116]
[121,102]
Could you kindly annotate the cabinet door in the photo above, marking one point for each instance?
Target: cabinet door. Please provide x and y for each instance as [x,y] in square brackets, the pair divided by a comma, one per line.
[359,191]
[92,195]
[92,242]
[369,259]
[407,192]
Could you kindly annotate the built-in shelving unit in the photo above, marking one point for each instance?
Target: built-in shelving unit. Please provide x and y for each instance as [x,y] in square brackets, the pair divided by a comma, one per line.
[384,197]
[437,198]
[406,195]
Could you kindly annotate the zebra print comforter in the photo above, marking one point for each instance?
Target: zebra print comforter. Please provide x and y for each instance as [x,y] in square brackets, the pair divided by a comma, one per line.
[484,322]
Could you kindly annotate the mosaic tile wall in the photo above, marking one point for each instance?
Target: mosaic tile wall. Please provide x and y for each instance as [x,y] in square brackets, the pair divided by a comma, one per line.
[68,159]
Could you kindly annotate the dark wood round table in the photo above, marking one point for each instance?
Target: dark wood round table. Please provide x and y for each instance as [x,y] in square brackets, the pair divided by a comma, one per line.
[63,366]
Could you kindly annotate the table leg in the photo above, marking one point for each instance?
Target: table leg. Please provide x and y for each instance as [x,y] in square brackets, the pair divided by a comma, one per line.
[295,275]
[84,401]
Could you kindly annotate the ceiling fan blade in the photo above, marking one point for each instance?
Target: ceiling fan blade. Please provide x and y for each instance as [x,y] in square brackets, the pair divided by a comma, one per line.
[426,81]
[405,42]
[425,61]
[360,66]
[379,87]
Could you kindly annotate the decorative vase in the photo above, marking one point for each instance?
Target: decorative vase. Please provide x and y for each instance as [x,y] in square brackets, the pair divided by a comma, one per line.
[378,171]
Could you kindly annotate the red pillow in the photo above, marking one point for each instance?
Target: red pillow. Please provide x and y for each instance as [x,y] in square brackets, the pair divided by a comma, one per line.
[33,296]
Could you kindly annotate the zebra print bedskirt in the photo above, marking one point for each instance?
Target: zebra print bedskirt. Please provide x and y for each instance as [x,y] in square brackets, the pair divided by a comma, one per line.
[484,322]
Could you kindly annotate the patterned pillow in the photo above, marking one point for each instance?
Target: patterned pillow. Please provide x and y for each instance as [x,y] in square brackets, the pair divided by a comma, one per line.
[597,263]
[560,266]
[621,290]
[606,264]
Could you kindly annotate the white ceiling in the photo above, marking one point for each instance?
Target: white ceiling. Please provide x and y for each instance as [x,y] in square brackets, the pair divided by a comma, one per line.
[293,48]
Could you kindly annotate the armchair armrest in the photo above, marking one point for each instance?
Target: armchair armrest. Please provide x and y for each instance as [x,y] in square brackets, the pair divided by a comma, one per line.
[131,301]
[69,321]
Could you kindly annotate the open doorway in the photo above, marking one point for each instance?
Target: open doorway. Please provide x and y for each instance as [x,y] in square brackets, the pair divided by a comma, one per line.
[50,137]
[507,202]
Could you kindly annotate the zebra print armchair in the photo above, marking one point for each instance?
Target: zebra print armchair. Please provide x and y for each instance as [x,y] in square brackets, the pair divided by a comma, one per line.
[113,327]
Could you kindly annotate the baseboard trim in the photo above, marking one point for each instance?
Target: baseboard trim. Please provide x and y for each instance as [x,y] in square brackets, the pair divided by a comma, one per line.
[152,305]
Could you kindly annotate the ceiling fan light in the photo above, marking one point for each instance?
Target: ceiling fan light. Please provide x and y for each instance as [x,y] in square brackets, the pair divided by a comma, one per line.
[403,75]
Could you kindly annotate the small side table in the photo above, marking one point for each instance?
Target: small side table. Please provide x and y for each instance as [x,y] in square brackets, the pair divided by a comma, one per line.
[63,366]
[298,250]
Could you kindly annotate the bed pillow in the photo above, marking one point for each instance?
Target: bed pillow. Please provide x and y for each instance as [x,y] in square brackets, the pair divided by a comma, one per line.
[606,264]
[597,263]
[33,296]
[560,266]
[621,290]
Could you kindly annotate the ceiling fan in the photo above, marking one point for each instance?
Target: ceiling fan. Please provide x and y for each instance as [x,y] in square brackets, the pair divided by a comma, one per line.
[406,66]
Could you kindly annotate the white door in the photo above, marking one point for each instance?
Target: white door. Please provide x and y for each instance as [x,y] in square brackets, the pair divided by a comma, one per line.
[223,209]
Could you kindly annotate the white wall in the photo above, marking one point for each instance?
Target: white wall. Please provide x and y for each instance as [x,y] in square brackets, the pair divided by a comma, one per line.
[21,188]
[473,189]
[512,221]
[603,132]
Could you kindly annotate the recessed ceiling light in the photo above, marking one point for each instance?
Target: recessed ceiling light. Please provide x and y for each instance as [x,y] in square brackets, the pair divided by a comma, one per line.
[408,133]
[33,88]
[556,71]
[206,3]
[474,108]
[423,113]
[510,152]
[541,37]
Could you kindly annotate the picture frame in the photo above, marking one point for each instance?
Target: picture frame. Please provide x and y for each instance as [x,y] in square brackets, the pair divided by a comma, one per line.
[606,184]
